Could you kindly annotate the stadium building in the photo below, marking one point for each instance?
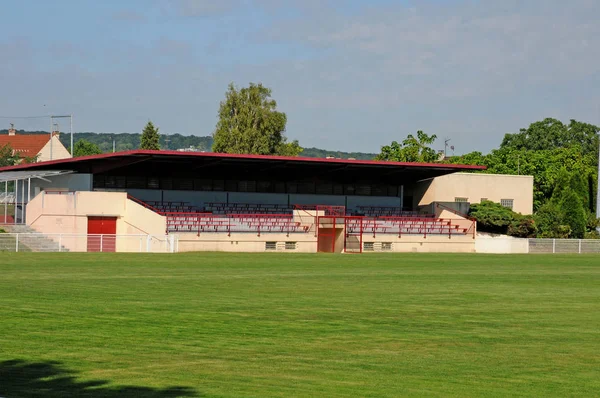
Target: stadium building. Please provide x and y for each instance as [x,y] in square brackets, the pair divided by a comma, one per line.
[223,202]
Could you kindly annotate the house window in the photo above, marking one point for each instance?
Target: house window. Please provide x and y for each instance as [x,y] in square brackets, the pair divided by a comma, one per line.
[270,245]
[483,200]
[461,199]
[290,245]
[507,203]
[386,246]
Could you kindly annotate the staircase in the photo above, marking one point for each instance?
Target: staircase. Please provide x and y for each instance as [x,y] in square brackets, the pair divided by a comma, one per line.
[30,240]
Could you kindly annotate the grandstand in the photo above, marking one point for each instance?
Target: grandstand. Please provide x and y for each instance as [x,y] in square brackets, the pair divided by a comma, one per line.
[229,202]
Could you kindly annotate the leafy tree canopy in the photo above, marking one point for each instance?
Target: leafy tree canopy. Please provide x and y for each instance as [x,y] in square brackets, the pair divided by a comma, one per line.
[412,149]
[7,156]
[150,138]
[250,123]
[550,134]
[495,218]
[85,148]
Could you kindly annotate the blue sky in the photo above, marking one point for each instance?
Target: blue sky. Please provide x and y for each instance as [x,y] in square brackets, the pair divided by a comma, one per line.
[350,75]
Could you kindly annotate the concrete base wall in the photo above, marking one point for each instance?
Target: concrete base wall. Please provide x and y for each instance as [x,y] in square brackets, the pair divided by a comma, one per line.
[500,244]
[246,242]
[418,244]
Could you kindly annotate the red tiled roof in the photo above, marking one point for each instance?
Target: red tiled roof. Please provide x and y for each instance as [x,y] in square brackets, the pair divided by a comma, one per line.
[26,145]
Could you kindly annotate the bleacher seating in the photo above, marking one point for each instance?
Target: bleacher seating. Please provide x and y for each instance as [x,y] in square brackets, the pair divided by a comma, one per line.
[174,207]
[405,226]
[247,208]
[386,211]
[202,223]
[7,198]
[265,218]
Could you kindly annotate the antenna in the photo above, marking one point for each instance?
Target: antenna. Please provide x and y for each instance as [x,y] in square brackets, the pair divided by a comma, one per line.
[446,141]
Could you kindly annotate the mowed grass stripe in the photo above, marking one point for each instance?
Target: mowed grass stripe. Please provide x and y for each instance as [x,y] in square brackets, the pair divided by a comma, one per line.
[310,325]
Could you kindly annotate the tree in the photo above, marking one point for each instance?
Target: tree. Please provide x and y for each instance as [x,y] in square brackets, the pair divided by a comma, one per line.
[550,134]
[495,218]
[574,214]
[250,123]
[8,157]
[412,149]
[549,221]
[150,138]
[85,148]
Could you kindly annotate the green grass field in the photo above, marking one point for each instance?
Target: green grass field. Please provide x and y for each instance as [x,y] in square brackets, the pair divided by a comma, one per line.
[243,325]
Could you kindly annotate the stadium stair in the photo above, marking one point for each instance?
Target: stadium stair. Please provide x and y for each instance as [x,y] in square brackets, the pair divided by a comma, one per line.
[37,243]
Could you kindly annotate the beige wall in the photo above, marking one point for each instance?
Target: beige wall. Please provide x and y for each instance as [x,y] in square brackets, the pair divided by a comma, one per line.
[54,214]
[474,187]
[500,244]
[245,242]
[58,151]
[418,244]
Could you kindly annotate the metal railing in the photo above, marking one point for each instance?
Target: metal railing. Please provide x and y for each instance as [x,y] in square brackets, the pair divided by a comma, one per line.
[37,242]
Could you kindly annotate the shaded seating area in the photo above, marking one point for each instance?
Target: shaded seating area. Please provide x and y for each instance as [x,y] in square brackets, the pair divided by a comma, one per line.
[386,211]
[247,208]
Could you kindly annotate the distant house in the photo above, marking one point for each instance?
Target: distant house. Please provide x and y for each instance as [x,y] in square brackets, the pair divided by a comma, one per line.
[37,146]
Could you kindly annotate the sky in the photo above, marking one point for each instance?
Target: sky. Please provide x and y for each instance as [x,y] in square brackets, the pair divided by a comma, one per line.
[350,75]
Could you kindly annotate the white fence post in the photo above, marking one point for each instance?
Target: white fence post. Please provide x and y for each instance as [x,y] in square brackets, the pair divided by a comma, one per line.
[553,246]
[579,246]
[60,243]
[17,243]
[101,242]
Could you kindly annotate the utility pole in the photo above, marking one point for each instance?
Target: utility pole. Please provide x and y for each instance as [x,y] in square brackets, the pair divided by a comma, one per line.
[51,128]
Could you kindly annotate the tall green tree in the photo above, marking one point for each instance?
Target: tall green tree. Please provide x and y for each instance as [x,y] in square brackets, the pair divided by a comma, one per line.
[150,138]
[412,149]
[249,123]
[85,148]
[551,133]
[574,214]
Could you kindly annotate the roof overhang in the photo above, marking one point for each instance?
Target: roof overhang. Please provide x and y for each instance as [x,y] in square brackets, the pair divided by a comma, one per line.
[31,174]
[165,164]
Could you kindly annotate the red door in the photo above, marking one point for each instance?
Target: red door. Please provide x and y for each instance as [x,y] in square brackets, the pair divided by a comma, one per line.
[101,234]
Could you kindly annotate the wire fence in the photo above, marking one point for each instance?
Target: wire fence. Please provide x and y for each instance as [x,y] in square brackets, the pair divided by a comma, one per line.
[34,242]
[575,246]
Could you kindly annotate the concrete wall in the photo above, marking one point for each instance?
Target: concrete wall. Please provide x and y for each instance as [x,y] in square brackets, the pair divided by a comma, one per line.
[67,213]
[67,182]
[57,150]
[419,244]
[245,242]
[474,187]
[500,244]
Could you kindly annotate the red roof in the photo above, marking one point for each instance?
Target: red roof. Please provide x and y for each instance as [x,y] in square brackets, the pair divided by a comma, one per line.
[26,145]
